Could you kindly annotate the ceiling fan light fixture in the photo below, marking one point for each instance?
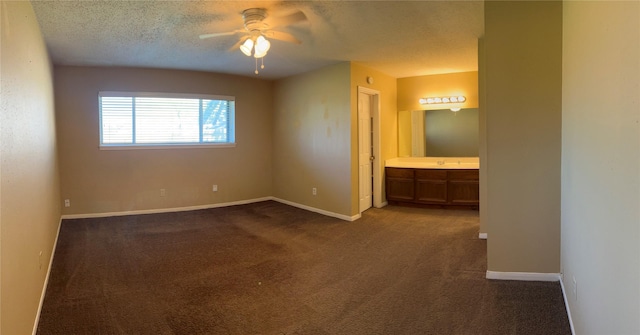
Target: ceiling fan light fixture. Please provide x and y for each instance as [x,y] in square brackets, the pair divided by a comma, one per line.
[247,47]
[262,46]
[256,28]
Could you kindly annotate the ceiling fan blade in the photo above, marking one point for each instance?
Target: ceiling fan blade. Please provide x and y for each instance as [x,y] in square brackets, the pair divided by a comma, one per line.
[228,33]
[285,20]
[281,36]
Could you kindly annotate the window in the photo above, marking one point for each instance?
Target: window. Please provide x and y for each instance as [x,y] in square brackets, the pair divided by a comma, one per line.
[161,119]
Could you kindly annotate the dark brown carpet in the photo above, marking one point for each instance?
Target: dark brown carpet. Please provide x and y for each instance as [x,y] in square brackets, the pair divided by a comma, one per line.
[268,268]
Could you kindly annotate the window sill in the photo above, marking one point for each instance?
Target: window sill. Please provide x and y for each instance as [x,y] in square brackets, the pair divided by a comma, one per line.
[167,146]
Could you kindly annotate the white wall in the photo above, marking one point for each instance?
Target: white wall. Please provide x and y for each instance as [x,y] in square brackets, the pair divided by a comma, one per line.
[601,165]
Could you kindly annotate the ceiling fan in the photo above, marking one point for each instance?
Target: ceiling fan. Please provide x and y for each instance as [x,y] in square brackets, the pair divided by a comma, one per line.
[258,26]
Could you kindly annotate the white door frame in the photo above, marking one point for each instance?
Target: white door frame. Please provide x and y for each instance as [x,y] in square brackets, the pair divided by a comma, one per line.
[375,143]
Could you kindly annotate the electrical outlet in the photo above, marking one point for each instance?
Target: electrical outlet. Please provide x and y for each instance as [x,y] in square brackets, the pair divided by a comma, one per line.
[215,188]
[575,289]
[163,192]
[67,203]
[314,191]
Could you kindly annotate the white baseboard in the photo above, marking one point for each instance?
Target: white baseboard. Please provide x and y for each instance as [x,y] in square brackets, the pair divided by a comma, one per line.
[482,236]
[164,210]
[566,304]
[524,276]
[317,210]
[225,204]
[46,279]
[383,204]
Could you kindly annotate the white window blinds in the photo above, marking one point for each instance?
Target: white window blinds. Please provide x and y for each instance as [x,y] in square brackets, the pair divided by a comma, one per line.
[130,119]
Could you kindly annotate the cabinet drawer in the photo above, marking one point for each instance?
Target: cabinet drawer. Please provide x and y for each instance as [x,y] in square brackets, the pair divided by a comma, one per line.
[425,174]
[399,173]
[463,175]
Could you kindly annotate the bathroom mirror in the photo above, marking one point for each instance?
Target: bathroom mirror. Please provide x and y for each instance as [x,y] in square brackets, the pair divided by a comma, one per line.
[438,133]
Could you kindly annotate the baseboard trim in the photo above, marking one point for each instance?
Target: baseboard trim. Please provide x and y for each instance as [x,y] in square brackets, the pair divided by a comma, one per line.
[46,279]
[317,210]
[164,210]
[566,305]
[482,236]
[383,204]
[523,276]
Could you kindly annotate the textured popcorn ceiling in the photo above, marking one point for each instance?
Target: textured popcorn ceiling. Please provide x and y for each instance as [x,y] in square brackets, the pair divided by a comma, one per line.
[399,38]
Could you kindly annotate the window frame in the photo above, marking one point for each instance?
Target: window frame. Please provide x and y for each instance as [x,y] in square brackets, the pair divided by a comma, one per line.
[231,122]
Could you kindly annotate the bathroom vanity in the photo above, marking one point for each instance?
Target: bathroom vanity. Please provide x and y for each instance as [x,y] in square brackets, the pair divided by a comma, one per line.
[433,181]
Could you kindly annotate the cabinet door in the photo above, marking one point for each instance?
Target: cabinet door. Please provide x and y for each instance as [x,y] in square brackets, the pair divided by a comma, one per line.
[431,186]
[464,187]
[399,184]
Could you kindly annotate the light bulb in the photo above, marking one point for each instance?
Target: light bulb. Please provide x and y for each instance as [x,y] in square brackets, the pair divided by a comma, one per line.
[262,46]
[246,47]
[259,54]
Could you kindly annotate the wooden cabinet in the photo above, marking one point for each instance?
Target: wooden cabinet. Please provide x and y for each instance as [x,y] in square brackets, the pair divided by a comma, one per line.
[463,187]
[400,184]
[431,186]
[443,187]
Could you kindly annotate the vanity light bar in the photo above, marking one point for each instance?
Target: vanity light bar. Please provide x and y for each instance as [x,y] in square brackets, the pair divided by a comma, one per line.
[442,100]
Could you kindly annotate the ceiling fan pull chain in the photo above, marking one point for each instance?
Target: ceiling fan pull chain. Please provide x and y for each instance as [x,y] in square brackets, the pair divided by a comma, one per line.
[256,65]
[262,65]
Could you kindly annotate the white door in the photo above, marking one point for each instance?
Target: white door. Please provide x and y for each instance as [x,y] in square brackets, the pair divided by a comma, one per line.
[365,158]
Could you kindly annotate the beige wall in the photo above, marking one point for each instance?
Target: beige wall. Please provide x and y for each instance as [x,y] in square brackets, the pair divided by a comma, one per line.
[411,89]
[601,165]
[29,184]
[523,45]
[387,86]
[103,181]
[312,139]
[315,135]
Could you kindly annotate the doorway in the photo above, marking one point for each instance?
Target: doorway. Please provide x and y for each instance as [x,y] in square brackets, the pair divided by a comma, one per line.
[369,160]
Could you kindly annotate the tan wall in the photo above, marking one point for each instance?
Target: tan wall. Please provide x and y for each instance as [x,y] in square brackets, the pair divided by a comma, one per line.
[312,139]
[99,181]
[387,86]
[29,183]
[601,165]
[523,45]
[411,89]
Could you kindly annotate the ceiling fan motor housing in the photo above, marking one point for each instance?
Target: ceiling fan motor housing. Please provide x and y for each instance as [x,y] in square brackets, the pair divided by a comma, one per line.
[254,19]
